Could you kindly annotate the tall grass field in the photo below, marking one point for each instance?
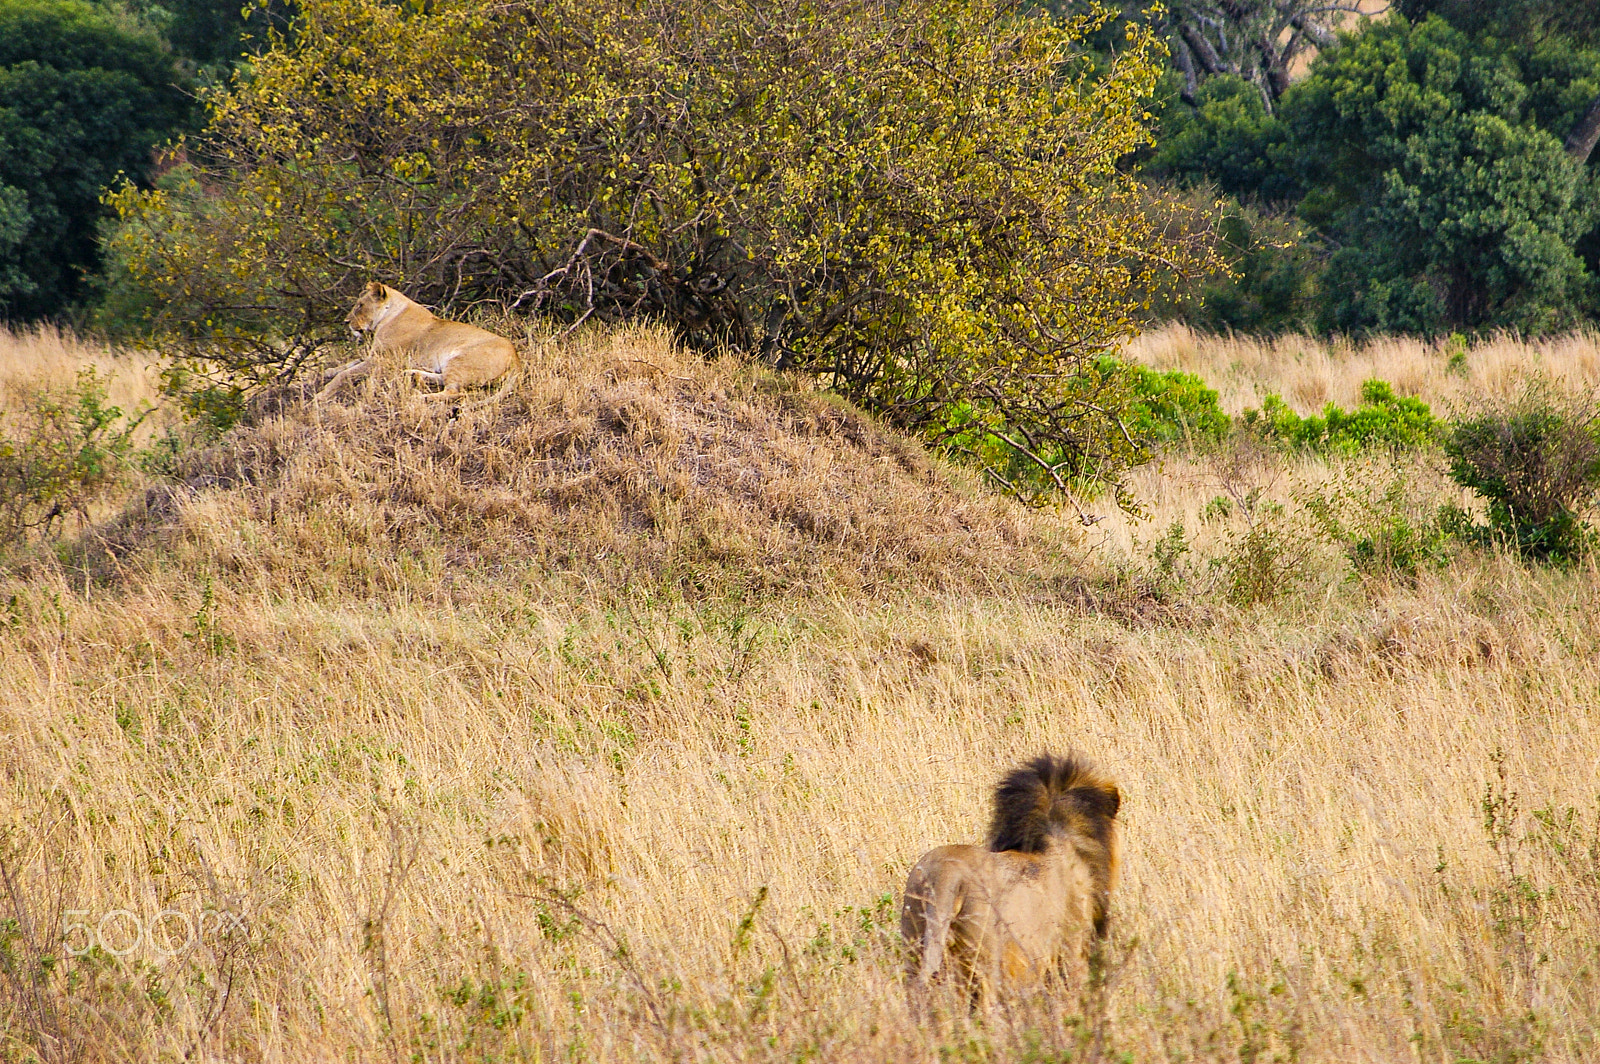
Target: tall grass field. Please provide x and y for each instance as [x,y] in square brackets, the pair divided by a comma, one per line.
[602,719]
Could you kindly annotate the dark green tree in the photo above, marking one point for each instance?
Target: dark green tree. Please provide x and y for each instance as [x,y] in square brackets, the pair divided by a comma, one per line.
[1427,168]
[1552,34]
[86,94]
[214,35]
[1228,139]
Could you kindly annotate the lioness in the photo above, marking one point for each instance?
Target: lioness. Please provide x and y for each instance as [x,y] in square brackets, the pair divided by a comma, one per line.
[451,353]
[1034,901]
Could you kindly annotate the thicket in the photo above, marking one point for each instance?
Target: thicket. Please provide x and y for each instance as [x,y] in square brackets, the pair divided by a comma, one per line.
[87,92]
[1383,418]
[1171,406]
[919,202]
[1441,170]
[1533,459]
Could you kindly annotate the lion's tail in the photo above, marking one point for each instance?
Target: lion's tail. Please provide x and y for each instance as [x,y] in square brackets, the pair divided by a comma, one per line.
[1046,795]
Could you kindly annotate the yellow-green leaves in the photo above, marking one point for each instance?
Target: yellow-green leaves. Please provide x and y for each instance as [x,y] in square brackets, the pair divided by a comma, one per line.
[920,200]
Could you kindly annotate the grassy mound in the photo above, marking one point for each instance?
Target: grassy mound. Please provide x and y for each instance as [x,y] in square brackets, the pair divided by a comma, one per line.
[616,456]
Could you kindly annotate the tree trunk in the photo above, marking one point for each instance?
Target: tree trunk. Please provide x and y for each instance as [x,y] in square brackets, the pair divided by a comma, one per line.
[1185,63]
[1580,142]
[1203,51]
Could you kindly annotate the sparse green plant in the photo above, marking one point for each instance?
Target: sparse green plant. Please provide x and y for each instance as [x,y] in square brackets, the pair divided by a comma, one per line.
[1264,561]
[67,451]
[1379,525]
[206,633]
[1168,573]
[1535,459]
[1218,508]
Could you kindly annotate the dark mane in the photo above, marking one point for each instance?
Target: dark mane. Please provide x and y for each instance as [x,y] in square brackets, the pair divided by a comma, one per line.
[1051,796]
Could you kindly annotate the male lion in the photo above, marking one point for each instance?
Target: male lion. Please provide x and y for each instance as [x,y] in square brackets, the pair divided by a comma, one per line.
[451,353]
[1035,901]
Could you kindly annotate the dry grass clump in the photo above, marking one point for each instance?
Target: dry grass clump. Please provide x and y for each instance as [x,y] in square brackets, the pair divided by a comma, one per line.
[614,454]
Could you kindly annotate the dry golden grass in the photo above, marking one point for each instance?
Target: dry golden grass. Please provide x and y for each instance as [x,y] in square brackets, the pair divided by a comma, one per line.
[48,357]
[472,799]
[1309,372]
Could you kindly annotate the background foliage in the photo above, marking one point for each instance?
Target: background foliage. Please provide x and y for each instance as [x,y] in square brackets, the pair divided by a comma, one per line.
[1440,164]
[86,93]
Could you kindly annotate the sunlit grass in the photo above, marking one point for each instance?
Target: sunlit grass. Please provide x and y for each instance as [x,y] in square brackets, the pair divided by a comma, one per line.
[476,800]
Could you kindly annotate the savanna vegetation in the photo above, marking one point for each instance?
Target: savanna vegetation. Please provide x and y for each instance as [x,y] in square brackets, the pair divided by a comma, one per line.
[604,720]
[873,433]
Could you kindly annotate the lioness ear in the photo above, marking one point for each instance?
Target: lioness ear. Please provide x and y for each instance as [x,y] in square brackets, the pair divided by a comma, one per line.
[376,288]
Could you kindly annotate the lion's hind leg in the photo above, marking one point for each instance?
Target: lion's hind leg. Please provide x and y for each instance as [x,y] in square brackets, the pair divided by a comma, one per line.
[434,377]
[933,901]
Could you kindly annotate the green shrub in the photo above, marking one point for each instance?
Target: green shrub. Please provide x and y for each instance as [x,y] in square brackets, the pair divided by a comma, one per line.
[70,451]
[1380,527]
[1382,419]
[1170,406]
[1165,407]
[1535,460]
[1229,138]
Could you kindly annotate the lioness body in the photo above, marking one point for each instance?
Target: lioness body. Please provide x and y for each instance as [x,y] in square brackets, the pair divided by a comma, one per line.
[448,353]
[1033,902]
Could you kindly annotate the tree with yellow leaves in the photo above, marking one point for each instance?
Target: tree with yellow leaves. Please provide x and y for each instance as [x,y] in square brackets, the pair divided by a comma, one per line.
[920,200]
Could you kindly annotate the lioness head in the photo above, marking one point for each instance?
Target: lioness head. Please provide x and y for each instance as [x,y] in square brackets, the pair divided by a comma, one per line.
[364,315]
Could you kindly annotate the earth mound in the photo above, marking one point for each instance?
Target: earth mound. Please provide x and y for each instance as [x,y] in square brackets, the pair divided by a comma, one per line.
[616,456]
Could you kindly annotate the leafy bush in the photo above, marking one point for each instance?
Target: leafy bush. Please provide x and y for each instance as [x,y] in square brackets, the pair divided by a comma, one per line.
[920,202]
[1383,418]
[1164,407]
[1536,461]
[1265,560]
[1171,406]
[1381,527]
[69,452]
